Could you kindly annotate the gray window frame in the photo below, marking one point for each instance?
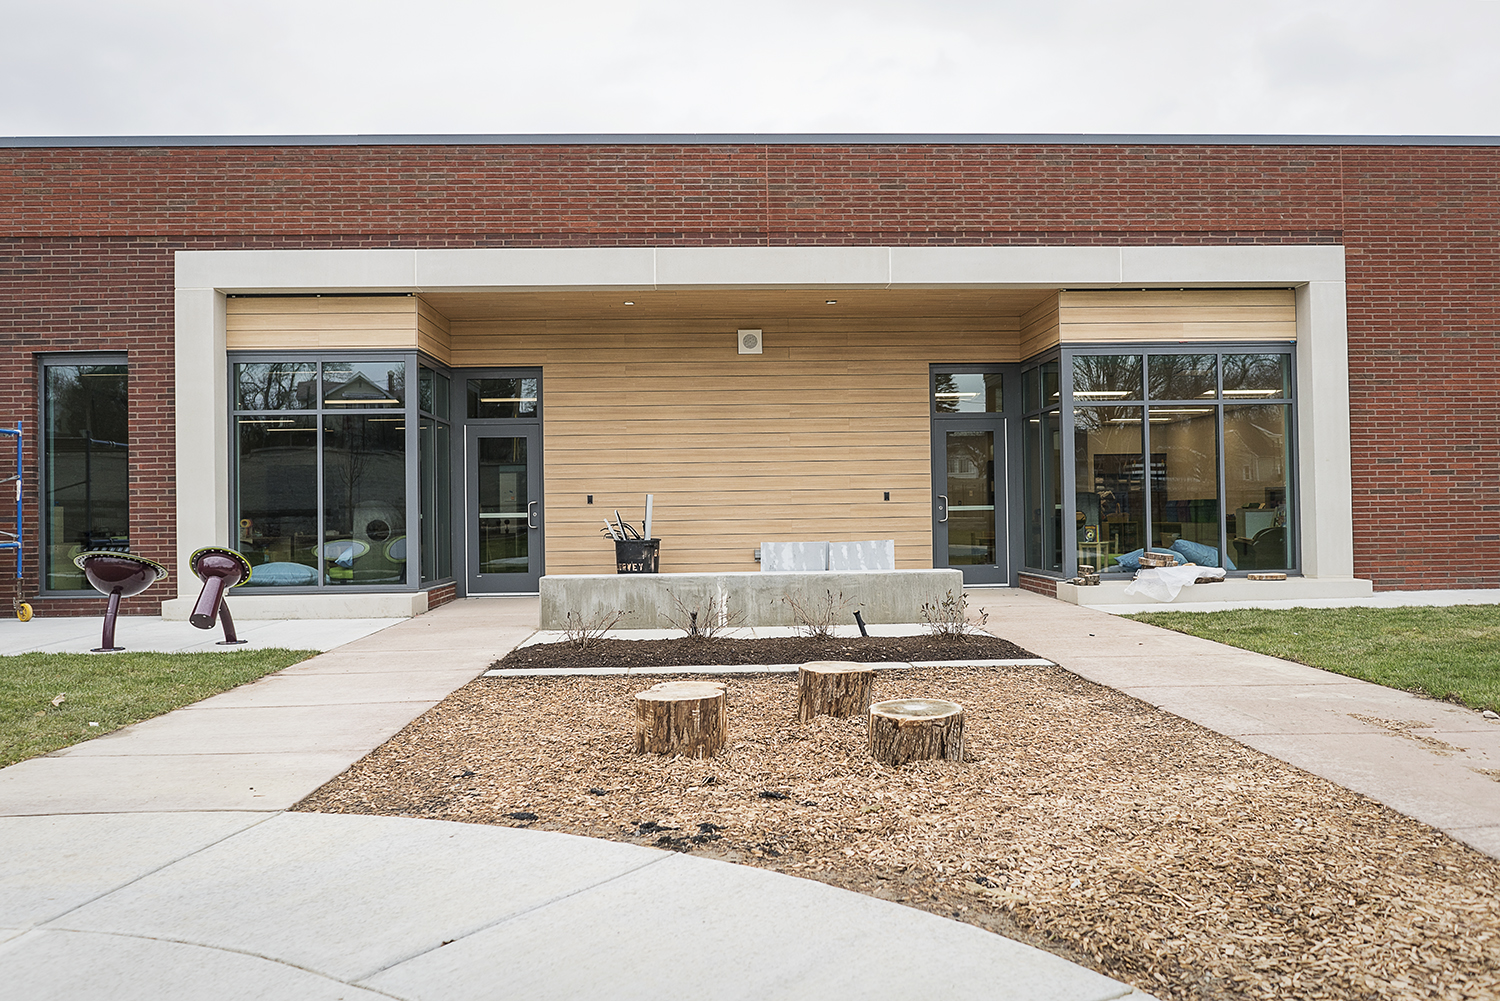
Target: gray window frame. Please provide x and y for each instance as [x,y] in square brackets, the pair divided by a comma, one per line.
[1064,356]
[454,450]
[44,540]
[410,410]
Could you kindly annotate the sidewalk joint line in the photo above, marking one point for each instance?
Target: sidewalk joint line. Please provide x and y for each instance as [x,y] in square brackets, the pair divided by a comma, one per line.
[225,948]
[518,914]
[165,865]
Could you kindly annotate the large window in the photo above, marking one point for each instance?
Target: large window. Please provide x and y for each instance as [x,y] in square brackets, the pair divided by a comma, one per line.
[85,464]
[1041,467]
[434,469]
[1169,448]
[321,470]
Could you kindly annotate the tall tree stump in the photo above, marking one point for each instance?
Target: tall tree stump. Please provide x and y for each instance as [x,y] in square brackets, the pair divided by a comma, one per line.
[903,730]
[681,717]
[833,688]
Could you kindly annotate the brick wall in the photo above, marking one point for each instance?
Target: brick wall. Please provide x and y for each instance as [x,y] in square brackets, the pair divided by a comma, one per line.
[87,235]
[441,595]
[1424,368]
[1038,584]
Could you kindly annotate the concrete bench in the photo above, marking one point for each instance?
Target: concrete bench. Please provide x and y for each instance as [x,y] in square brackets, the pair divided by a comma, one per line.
[881,596]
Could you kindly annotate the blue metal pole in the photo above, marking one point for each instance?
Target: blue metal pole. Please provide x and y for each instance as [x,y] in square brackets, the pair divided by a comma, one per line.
[16,433]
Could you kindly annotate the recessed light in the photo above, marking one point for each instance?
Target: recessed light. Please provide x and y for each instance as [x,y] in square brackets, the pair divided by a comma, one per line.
[830,302]
[630,302]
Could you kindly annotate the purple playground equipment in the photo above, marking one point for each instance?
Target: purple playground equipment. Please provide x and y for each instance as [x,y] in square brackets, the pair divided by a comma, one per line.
[119,575]
[219,569]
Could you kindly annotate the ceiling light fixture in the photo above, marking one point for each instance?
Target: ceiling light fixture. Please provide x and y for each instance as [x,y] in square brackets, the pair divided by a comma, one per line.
[830,302]
[630,302]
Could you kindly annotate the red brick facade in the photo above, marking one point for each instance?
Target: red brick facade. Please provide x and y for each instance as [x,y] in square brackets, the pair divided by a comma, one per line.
[87,236]
[1037,583]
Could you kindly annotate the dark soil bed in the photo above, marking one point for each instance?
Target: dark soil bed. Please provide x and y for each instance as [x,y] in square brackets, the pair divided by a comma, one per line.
[774,650]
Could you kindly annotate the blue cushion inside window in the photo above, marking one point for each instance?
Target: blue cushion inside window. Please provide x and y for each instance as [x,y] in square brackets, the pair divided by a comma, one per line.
[282,575]
[1204,556]
[1132,560]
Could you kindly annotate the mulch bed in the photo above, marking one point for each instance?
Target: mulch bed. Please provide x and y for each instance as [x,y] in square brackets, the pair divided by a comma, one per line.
[771,650]
[1083,822]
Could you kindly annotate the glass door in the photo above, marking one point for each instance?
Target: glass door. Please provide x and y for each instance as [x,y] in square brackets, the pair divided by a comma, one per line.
[503,509]
[970,450]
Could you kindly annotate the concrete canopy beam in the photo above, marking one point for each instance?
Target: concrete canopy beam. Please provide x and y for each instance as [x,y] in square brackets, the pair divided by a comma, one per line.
[582,268]
[1317,272]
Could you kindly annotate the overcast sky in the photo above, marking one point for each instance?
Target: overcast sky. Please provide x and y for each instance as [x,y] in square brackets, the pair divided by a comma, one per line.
[314,67]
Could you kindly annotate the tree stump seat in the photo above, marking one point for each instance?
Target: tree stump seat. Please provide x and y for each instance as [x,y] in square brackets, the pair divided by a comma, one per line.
[903,730]
[837,688]
[690,718]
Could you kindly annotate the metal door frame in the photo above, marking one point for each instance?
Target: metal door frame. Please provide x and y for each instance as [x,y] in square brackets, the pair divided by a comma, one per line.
[1007,472]
[465,473]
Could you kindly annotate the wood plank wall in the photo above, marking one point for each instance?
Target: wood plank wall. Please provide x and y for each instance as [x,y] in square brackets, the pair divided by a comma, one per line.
[1189,315]
[1039,328]
[433,332]
[798,443]
[321,323]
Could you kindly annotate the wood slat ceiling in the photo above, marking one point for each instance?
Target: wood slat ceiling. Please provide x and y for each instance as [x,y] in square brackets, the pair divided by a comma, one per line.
[745,307]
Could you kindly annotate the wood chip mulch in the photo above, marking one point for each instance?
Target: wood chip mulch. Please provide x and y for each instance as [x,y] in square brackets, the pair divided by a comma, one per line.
[1084,822]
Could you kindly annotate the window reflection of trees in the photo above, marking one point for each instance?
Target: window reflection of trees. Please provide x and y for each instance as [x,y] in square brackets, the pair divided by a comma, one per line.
[1107,376]
[277,386]
[1257,374]
[1182,376]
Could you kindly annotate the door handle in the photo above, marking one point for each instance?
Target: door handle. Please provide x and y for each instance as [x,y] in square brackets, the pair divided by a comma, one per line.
[943,508]
[531,515]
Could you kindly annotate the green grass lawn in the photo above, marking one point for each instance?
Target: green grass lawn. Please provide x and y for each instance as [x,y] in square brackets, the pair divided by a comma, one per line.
[1446,653]
[111,690]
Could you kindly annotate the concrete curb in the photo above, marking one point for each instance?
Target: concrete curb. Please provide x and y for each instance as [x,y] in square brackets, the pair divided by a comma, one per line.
[731,669]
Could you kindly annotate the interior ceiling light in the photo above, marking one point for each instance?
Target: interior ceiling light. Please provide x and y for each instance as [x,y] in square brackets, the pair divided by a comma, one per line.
[630,302]
[830,302]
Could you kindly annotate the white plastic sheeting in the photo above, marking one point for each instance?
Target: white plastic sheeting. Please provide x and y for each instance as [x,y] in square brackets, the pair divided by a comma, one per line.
[1166,583]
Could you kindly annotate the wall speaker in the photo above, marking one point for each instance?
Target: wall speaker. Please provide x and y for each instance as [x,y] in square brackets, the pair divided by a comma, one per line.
[750,342]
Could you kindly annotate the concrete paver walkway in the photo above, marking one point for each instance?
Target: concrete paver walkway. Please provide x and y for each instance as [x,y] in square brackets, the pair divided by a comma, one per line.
[158,862]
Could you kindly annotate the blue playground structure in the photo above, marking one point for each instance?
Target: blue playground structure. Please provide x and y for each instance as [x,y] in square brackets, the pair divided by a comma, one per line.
[12,540]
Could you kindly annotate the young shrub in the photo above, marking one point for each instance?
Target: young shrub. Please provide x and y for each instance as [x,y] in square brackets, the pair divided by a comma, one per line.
[817,618]
[705,618]
[951,619]
[583,633]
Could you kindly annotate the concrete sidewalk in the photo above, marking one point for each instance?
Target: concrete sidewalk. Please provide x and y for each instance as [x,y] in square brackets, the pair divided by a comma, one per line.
[1424,758]
[152,634]
[157,862]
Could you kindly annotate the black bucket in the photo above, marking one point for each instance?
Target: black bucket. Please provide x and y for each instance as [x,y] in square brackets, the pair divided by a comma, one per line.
[637,555]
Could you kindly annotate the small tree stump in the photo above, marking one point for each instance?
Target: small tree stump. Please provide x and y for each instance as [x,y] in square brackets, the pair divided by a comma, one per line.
[681,717]
[833,688]
[903,730]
